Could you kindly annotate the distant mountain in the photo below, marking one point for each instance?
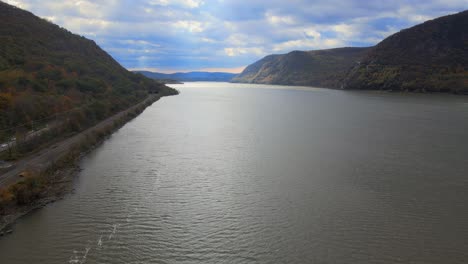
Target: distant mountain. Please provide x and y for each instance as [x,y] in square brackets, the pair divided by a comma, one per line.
[432,56]
[45,70]
[190,76]
[321,68]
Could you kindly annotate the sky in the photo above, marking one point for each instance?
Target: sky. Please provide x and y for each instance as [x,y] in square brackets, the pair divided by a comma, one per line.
[227,35]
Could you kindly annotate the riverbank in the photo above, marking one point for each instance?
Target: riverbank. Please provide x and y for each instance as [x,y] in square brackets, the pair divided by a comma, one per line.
[47,176]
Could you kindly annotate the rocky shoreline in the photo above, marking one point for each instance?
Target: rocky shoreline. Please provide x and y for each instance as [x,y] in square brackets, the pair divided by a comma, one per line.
[56,192]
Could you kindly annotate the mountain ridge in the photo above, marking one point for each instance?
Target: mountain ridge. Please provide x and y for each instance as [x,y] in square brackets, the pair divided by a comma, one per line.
[431,57]
[321,68]
[190,76]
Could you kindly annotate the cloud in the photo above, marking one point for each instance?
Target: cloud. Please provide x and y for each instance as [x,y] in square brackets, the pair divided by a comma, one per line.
[233,52]
[278,20]
[307,44]
[189,25]
[183,3]
[228,34]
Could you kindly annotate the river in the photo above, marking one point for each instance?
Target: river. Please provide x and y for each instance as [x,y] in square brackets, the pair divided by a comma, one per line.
[239,173]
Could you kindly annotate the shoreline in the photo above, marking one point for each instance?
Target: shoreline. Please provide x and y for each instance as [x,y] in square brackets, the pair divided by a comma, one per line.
[59,165]
[391,91]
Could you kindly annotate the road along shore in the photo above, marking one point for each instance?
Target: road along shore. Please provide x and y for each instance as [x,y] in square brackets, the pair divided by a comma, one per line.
[49,173]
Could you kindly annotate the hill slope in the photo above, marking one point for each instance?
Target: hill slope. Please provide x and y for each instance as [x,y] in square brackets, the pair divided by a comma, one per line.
[190,76]
[322,68]
[432,56]
[45,70]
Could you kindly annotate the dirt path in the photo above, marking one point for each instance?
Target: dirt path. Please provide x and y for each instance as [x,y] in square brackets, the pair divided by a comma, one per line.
[45,157]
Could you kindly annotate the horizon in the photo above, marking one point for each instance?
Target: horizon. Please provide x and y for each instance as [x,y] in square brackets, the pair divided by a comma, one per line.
[211,70]
[227,36]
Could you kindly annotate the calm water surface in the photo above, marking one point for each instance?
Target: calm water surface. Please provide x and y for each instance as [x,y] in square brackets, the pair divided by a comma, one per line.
[230,173]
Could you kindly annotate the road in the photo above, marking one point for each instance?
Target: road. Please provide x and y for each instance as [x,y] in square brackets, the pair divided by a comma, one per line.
[29,136]
[45,157]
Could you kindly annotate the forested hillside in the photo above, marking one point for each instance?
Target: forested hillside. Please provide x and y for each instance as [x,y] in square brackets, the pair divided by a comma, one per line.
[432,56]
[46,71]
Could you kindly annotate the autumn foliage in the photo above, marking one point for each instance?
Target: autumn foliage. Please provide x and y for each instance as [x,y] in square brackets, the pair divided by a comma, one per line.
[48,73]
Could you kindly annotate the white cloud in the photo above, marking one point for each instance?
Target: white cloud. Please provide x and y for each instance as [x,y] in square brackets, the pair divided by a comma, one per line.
[237,51]
[345,30]
[191,26]
[139,43]
[242,40]
[278,20]
[208,40]
[159,2]
[307,44]
[193,3]
[20,4]
[185,3]
[312,33]
[418,18]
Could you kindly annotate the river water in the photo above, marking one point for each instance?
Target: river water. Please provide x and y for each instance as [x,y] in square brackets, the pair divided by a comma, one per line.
[237,173]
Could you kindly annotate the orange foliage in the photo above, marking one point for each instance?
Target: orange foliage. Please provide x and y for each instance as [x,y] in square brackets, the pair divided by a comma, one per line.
[5,196]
